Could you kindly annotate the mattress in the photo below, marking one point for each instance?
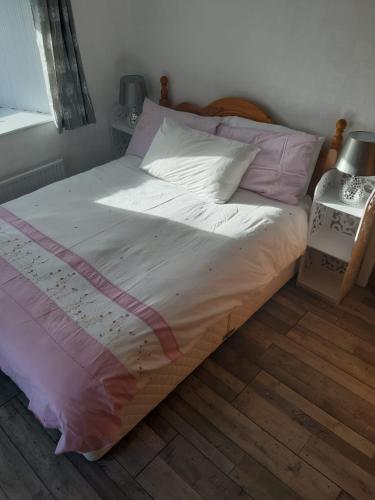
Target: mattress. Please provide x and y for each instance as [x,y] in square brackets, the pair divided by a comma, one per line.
[111,275]
[163,381]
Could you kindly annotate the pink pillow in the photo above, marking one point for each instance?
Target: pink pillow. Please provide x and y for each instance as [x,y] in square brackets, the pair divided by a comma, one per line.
[151,119]
[283,168]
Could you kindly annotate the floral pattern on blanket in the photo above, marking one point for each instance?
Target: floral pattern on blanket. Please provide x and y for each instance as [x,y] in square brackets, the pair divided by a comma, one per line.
[120,331]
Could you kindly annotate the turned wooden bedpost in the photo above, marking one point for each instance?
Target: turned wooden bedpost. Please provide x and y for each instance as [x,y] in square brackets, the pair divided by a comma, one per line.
[164,99]
[338,138]
[336,145]
[329,160]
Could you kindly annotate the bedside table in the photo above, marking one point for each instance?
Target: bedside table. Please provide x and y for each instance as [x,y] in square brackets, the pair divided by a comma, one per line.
[121,133]
[337,239]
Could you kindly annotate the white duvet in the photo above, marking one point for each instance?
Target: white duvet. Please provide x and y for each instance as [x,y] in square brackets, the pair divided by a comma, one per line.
[190,260]
[111,274]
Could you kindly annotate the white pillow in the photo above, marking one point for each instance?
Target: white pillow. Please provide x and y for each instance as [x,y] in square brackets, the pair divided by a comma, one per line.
[237,121]
[200,162]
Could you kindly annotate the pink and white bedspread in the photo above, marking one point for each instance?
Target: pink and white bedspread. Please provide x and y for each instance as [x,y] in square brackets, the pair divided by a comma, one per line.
[111,274]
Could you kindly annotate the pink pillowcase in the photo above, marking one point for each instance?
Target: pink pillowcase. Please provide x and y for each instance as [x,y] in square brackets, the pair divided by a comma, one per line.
[151,119]
[284,166]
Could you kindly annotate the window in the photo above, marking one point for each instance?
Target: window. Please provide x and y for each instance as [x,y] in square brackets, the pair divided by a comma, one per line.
[23,94]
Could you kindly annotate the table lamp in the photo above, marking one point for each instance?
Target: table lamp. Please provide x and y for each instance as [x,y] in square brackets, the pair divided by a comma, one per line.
[357,161]
[132,95]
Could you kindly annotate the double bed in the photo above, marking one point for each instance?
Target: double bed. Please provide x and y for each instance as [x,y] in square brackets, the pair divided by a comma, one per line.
[115,285]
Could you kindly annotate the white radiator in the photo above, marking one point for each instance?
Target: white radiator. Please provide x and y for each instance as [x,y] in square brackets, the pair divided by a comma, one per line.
[30,181]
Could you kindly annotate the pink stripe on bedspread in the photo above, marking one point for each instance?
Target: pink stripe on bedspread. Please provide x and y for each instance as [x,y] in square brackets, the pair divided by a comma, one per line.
[74,383]
[146,313]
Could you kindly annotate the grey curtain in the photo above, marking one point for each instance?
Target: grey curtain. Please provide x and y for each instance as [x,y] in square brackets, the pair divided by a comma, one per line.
[66,82]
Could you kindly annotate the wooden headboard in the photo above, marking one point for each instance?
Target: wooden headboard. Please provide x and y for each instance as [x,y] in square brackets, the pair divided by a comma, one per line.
[233,106]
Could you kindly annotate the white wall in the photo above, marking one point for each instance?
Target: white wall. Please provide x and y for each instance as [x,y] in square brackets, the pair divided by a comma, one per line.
[101,29]
[308,62]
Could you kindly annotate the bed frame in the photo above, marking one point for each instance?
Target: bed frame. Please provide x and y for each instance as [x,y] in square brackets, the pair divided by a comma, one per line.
[234,106]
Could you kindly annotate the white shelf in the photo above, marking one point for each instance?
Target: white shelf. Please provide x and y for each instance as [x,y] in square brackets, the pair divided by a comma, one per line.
[332,259]
[123,126]
[332,243]
[322,274]
[324,283]
[331,200]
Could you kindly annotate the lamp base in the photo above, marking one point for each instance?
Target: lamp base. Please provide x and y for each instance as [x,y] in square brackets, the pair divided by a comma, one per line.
[133,117]
[352,190]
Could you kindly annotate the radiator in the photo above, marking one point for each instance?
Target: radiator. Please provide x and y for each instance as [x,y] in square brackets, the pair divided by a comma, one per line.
[30,181]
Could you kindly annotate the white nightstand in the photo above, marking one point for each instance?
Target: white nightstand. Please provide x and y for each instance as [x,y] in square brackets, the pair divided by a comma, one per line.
[337,240]
[120,131]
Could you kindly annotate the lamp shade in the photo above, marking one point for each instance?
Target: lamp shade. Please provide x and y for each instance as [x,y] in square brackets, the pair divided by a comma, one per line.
[132,92]
[357,157]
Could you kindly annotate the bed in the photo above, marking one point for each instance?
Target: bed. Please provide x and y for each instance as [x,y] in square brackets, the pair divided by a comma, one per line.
[115,285]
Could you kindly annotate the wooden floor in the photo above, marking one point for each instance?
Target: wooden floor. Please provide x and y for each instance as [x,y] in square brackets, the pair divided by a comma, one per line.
[284,410]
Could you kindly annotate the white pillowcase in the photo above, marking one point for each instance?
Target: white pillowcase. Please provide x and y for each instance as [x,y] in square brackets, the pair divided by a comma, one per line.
[237,121]
[200,162]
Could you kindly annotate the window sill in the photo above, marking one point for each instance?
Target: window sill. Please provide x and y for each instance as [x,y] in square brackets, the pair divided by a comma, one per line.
[13,120]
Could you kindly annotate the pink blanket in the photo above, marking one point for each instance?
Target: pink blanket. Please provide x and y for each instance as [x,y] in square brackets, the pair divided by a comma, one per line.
[74,383]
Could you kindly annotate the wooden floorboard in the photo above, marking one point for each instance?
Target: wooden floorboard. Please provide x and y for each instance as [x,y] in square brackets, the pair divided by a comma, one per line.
[8,389]
[285,409]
